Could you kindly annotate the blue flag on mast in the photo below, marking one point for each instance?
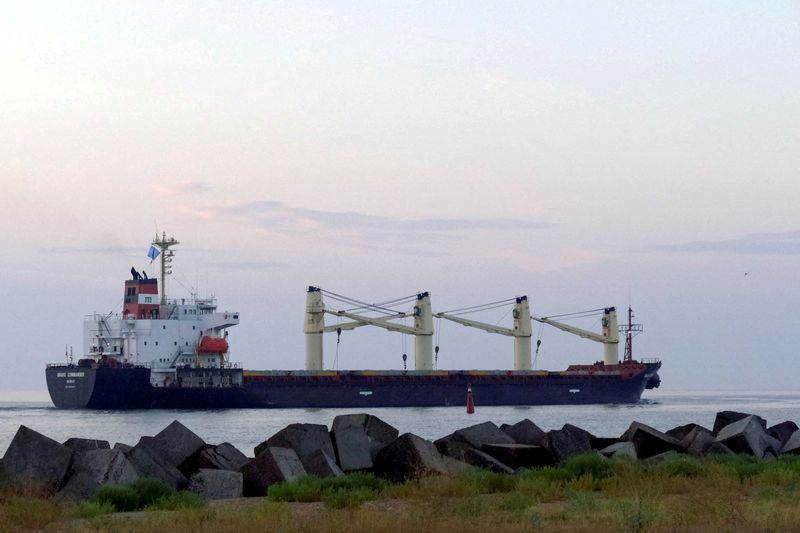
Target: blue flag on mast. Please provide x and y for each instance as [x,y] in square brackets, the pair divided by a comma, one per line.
[152,253]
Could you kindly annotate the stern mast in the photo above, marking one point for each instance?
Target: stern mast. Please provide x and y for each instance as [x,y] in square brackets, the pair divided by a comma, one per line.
[164,244]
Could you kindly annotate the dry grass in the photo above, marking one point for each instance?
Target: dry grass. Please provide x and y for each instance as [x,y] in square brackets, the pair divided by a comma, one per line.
[681,495]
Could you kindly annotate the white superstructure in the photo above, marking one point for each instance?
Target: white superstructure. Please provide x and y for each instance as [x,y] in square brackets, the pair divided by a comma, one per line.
[160,333]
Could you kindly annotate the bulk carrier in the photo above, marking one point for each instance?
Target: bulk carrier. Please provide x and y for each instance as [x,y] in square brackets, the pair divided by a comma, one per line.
[168,354]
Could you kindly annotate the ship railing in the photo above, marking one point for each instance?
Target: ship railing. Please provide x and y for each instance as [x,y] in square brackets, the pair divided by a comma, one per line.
[650,360]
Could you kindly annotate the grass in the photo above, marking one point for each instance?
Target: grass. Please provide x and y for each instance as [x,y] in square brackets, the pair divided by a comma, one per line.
[585,494]
[337,492]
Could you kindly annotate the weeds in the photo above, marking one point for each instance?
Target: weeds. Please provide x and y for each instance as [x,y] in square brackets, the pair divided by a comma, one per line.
[337,492]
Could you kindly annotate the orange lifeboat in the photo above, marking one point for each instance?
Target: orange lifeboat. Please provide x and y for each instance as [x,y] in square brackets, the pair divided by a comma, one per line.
[212,345]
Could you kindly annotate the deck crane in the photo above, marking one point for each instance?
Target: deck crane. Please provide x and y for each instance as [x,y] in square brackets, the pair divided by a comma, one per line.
[609,337]
[314,326]
[521,331]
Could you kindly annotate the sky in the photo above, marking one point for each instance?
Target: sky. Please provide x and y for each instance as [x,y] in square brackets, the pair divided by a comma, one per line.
[585,154]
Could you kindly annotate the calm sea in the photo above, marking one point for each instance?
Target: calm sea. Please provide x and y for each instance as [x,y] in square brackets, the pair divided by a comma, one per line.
[245,428]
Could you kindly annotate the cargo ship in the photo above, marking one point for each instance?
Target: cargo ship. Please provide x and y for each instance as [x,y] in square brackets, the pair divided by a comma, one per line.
[161,353]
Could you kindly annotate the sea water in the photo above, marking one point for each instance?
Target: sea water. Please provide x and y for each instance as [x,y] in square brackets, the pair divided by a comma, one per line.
[245,428]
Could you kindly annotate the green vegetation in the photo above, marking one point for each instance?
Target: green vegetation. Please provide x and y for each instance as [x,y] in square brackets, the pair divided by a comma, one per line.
[348,491]
[587,493]
[143,493]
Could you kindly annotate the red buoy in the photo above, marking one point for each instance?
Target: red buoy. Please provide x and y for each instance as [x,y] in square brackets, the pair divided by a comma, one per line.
[470,401]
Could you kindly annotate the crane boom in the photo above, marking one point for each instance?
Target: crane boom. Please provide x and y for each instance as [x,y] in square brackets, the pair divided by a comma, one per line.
[353,325]
[491,328]
[571,329]
[609,338]
[379,322]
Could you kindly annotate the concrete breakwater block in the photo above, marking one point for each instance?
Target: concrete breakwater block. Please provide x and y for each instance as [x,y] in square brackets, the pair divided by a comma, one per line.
[223,456]
[85,445]
[95,468]
[319,463]
[37,462]
[520,455]
[792,445]
[782,431]
[649,441]
[525,432]
[601,443]
[407,457]
[358,438]
[148,465]
[567,442]
[725,418]
[302,438]
[271,466]
[212,484]
[173,445]
[701,442]
[680,432]
[125,448]
[480,435]
[748,435]
[620,449]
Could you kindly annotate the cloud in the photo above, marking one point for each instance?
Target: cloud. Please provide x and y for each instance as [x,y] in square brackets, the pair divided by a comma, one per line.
[245,265]
[182,187]
[279,217]
[360,230]
[99,250]
[776,243]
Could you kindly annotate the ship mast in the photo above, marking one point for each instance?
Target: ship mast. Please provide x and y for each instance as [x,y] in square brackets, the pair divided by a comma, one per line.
[630,330]
[164,244]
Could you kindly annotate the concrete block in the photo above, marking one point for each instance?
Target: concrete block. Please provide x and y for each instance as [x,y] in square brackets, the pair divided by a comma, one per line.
[147,465]
[792,444]
[565,443]
[173,445]
[525,432]
[85,445]
[649,441]
[782,431]
[698,441]
[748,435]
[476,457]
[107,467]
[320,464]
[358,438]
[271,466]
[520,455]
[409,456]
[125,448]
[620,449]
[80,486]
[480,435]
[680,432]
[37,462]
[302,438]
[725,418]
[223,456]
[601,443]
[213,484]
[661,457]
[353,449]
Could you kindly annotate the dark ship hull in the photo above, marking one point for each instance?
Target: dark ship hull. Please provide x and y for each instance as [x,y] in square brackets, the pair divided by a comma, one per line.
[129,387]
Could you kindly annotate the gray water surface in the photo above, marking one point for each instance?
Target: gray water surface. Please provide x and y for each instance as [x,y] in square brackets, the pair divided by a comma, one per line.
[245,428]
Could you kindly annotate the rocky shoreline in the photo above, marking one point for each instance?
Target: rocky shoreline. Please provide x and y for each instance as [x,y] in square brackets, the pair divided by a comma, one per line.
[76,469]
